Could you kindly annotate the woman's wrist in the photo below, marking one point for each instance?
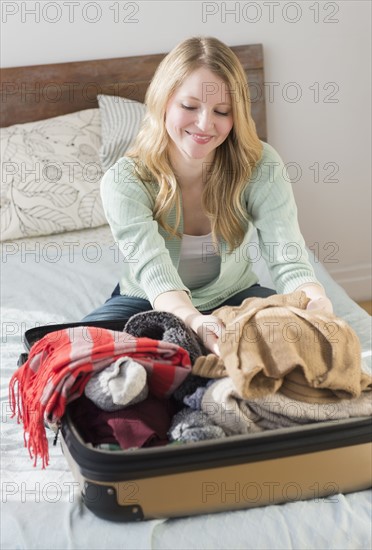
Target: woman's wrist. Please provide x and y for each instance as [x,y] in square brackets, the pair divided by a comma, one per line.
[178,303]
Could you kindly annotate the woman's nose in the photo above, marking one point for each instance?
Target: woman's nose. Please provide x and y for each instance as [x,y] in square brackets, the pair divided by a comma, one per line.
[205,120]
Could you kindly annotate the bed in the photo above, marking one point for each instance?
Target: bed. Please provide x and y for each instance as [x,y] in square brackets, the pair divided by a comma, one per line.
[59,262]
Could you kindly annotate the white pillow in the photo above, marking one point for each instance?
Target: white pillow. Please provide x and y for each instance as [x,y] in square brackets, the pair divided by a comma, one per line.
[50,175]
[120,121]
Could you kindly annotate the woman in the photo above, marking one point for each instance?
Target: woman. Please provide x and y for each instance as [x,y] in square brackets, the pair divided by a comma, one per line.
[183,202]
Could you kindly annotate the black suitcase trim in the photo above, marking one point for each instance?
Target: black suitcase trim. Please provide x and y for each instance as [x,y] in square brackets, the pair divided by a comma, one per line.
[109,466]
[103,502]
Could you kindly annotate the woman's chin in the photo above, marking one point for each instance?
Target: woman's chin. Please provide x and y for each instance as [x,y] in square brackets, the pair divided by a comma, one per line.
[198,154]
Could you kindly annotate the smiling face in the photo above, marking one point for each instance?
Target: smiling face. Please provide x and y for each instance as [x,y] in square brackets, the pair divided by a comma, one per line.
[199,116]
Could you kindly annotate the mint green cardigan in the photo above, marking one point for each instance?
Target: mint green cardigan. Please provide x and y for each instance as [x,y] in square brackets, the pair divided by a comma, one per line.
[150,257]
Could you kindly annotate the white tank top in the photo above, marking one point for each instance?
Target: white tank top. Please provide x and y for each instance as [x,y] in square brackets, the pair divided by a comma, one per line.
[199,260]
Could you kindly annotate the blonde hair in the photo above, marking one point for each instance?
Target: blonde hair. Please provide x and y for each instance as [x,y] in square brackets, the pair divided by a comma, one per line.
[234,159]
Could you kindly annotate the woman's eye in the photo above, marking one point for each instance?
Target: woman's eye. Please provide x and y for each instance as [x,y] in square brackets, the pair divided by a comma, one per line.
[188,108]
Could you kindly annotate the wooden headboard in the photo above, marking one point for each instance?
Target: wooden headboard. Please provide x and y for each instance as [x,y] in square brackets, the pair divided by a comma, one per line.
[37,92]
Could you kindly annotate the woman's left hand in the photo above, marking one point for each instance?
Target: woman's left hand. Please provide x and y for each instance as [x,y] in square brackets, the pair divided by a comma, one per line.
[321,303]
[317,296]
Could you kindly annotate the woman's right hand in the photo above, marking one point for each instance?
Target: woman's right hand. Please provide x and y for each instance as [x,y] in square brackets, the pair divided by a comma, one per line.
[209,328]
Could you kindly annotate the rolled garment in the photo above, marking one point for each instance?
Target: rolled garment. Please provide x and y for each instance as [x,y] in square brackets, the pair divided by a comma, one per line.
[165,326]
[121,384]
[161,325]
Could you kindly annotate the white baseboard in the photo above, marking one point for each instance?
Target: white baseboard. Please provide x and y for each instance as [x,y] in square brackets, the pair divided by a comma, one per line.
[355,280]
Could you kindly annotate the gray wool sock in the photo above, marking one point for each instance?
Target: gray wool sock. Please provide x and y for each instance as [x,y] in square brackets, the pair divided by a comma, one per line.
[121,384]
[189,425]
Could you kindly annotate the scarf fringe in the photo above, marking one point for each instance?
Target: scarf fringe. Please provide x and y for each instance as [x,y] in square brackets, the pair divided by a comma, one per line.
[34,438]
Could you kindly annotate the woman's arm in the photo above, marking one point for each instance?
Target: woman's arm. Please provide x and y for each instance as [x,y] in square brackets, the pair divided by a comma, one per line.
[272,208]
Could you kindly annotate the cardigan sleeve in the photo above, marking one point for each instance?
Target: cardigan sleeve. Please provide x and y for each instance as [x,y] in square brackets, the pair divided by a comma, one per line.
[128,206]
[272,209]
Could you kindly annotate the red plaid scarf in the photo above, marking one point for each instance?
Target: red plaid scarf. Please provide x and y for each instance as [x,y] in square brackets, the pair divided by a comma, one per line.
[62,362]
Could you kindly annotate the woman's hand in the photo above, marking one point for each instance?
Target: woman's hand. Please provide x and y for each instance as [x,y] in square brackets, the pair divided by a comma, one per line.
[209,328]
[318,298]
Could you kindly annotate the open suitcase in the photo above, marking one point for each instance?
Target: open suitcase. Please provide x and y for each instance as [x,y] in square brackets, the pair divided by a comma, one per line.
[314,461]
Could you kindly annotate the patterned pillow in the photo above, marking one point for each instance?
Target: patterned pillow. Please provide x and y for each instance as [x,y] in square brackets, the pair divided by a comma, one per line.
[50,175]
[121,119]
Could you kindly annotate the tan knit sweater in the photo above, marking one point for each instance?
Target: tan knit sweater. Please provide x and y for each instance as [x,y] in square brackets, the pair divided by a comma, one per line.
[271,343]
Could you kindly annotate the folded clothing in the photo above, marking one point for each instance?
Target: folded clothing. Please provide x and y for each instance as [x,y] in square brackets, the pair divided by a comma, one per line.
[226,408]
[142,425]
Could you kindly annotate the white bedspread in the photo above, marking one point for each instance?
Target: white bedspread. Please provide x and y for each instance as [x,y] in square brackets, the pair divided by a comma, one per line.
[60,279]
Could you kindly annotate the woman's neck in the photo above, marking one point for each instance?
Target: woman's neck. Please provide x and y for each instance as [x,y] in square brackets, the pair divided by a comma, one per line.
[187,170]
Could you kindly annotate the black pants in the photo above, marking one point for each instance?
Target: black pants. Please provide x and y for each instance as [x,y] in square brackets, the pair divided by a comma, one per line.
[120,306]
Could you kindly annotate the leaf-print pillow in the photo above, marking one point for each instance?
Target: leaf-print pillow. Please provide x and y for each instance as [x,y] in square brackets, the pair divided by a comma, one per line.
[50,175]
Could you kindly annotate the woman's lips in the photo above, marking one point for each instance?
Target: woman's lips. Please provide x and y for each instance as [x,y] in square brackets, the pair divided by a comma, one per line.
[200,138]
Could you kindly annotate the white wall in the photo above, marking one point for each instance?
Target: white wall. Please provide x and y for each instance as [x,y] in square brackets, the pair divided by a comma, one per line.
[317,70]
